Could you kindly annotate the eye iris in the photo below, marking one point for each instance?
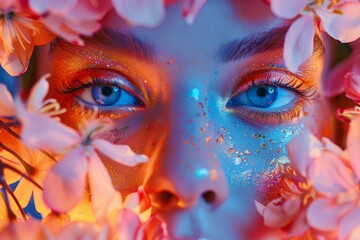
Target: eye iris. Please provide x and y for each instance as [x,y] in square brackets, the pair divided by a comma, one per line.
[262,96]
[106,95]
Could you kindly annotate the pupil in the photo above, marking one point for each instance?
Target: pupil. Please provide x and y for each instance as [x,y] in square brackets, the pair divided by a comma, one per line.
[106,90]
[261,92]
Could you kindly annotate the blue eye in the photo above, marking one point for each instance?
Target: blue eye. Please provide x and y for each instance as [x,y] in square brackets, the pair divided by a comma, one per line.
[263,96]
[108,95]
[103,88]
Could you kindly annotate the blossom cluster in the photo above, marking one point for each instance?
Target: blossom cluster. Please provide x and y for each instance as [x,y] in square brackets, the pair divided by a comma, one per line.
[322,196]
[62,171]
[53,168]
[29,23]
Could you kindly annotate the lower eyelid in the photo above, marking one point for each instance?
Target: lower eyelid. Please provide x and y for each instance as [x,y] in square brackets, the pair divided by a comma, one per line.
[261,118]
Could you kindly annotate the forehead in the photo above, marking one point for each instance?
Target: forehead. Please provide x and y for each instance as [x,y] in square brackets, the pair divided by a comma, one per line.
[218,23]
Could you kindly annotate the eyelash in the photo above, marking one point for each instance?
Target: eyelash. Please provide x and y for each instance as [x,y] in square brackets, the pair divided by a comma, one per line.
[294,85]
[77,84]
[306,94]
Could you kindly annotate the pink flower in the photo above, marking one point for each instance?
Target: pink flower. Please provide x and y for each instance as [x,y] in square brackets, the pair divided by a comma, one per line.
[36,166]
[340,19]
[30,230]
[335,175]
[135,221]
[348,69]
[132,222]
[70,19]
[348,114]
[10,107]
[147,13]
[19,32]
[82,231]
[352,82]
[64,185]
[289,211]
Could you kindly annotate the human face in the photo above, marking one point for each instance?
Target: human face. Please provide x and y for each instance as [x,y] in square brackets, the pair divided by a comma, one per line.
[211,105]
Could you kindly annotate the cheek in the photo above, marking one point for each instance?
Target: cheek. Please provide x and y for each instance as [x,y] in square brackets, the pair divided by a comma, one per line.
[253,157]
[320,118]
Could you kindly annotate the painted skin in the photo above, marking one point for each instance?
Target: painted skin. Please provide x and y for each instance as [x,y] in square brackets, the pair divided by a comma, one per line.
[211,104]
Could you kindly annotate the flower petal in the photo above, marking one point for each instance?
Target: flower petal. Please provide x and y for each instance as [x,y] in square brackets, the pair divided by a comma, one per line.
[330,146]
[17,61]
[128,224]
[297,227]
[58,136]
[58,25]
[352,86]
[191,8]
[344,27]
[41,6]
[119,153]
[29,230]
[330,176]
[79,230]
[350,225]
[299,42]
[280,212]
[353,144]
[37,94]
[65,182]
[7,105]
[23,192]
[334,83]
[324,214]
[301,151]
[137,201]
[155,228]
[141,12]
[287,9]
[40,205]
[104,197]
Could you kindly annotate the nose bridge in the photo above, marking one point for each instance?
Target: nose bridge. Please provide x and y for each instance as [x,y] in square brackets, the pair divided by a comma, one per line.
[185,166]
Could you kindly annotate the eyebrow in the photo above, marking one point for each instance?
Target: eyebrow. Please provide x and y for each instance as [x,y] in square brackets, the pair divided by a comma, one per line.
[108,39]
[253,44]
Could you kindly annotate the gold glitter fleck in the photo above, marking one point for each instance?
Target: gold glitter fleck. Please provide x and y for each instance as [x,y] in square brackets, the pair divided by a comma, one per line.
[208,141]
[231,150]
[221,138]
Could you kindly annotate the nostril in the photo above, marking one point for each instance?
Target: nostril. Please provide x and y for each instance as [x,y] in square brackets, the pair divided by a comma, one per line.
[209,197]
[164,197]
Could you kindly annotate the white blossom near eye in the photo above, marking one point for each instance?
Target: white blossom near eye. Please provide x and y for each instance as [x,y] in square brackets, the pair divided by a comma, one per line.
[35,104]
[339,19]
[64,184]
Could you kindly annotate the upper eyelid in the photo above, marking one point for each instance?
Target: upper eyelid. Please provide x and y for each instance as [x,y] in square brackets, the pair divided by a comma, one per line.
[77,83]
[240,81]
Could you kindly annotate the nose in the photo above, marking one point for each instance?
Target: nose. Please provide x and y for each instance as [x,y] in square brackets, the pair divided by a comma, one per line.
[185,169]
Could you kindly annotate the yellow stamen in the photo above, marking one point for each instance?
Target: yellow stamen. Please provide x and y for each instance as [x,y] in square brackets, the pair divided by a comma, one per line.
[337,11]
